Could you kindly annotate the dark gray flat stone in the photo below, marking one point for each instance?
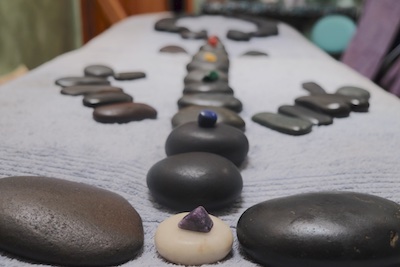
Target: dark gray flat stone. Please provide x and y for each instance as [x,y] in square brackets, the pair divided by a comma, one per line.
[328,104]
[89,89]
[224,140]
[238,35]
[87,80]
[173,49]
[300,112]
[100,99]
[357,104]
[59,222]
[125,76]
[225,116]
[254,53]
[187,34]
[185,181]
[198,76]
[282,123]
[313,88]
[98,71]
[265,30]
[324,229]
[354,92]
[124,112]
[208,88]
[214,100]
[167,25]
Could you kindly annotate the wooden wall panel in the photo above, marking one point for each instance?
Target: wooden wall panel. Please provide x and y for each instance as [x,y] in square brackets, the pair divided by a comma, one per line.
[94,21]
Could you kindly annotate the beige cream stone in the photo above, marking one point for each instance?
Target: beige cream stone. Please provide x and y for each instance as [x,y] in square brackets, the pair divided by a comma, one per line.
[193,248]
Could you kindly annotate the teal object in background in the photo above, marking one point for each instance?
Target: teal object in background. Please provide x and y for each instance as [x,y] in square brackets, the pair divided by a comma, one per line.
[333,33]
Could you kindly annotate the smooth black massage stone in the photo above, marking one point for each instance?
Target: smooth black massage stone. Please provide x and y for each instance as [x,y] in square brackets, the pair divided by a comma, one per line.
[89,89]
[59,222]
[225,116]
[125,76]
[222,139]
[208,66]
[282,123]
[313,88]
[357,104]
[325,229]
[333,106]
[167,25]
[238,35]
[354,92]
[201,76]
[214,100]
[254,53]
[174,49]
[187,34]
[300,112]
[87,80]
[185,181]
[265,30]
[100,99]
[208,88]
[124,112]
[98,71]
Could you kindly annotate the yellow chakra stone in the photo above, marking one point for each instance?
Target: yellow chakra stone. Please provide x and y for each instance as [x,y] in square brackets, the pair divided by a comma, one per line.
[210,57]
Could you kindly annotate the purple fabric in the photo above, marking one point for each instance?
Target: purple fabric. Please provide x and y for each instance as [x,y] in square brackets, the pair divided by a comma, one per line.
[376,31]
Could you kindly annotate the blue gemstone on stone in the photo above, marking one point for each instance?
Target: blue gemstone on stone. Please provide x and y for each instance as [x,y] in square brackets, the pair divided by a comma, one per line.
[207,118]
[197,220]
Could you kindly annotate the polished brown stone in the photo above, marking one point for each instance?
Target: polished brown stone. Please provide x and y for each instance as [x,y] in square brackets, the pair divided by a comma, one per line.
[124,112]
[89,89]
[59,222]
[215,100]
[100,99]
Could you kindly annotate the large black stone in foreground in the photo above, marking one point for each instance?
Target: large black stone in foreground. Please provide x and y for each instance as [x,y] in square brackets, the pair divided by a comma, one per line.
[66,223]
[327,229]
[185,181]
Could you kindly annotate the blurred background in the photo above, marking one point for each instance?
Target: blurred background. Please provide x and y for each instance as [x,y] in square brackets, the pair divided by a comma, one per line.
[33,32]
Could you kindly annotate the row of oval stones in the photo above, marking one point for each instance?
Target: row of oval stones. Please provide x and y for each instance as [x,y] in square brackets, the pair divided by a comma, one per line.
[111,104]
[318,108]
[200,170]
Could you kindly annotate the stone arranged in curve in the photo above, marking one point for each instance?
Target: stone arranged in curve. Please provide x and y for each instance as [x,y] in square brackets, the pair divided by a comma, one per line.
[98,71]
[173,49]
[55,221]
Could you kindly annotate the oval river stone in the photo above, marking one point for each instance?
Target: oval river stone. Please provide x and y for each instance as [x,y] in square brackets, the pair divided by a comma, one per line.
[185,181]
[222,139]
[66,223]
[224,115]
[326,229]
[124,112]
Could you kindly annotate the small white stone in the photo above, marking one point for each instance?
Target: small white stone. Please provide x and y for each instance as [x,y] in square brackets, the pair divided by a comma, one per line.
[193,248]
